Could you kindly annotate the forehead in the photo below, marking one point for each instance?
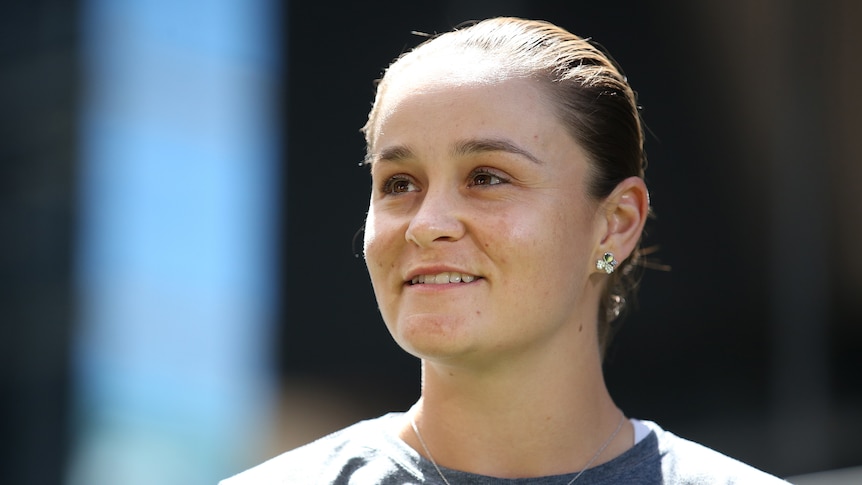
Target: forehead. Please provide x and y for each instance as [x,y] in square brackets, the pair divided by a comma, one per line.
[456,65]
[447,80]
[444,70]
[462,107]
[427,117]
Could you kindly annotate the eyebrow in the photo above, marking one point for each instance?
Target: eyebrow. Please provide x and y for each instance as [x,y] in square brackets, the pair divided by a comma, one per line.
[481,145]
[394,154]
[462,148]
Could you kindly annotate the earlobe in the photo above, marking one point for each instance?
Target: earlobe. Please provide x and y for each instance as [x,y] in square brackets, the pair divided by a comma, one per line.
[627,210]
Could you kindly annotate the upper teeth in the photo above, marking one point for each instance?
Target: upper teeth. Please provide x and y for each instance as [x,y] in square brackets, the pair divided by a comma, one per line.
[442,278]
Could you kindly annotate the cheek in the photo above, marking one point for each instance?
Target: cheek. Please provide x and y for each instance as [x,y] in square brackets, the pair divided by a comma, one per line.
[381,236]
[536,232]
[371,243]
[554,245]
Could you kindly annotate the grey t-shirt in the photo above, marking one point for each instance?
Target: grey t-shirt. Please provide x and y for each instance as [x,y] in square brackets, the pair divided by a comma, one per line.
[370,453]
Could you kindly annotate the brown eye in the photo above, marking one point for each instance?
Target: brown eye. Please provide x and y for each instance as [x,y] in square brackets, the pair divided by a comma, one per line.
[482,178]
[398,185]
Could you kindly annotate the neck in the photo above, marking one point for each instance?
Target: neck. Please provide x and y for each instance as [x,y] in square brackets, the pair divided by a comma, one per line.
[506,422]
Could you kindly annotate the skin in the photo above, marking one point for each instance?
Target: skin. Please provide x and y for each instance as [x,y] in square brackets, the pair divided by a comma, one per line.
[473,173]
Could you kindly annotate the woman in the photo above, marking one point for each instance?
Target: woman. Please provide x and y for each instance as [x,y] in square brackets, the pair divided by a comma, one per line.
[507,207]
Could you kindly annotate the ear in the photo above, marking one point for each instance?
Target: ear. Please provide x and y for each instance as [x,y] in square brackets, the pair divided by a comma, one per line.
[626,210]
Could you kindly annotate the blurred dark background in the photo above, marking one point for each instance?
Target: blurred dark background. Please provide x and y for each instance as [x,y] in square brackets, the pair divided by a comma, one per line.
[752,344]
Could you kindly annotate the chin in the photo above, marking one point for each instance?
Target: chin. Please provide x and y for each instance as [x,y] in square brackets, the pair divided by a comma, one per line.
[432,336]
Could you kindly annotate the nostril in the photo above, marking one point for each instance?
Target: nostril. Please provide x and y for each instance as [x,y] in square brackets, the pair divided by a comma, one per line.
[445,238]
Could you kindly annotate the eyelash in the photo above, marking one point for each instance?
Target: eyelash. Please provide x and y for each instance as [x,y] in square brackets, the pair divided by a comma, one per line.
[497,179]
[486,172]
[389,185]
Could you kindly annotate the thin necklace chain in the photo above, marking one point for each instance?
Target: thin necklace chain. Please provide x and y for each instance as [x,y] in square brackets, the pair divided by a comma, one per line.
[428,452]
[594,458]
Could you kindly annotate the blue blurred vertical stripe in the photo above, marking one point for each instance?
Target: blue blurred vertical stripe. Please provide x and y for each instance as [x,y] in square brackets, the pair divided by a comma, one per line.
[177,249]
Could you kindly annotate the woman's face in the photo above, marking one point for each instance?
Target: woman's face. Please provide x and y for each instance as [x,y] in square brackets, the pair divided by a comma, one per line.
[480,239]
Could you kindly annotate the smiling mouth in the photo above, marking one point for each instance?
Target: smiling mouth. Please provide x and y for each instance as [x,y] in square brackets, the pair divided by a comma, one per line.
[443,278]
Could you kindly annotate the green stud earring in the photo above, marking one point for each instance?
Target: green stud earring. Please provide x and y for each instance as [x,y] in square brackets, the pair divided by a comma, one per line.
[606,263]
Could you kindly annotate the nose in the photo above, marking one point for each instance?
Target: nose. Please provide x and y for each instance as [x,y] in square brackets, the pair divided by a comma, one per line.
[438,218]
